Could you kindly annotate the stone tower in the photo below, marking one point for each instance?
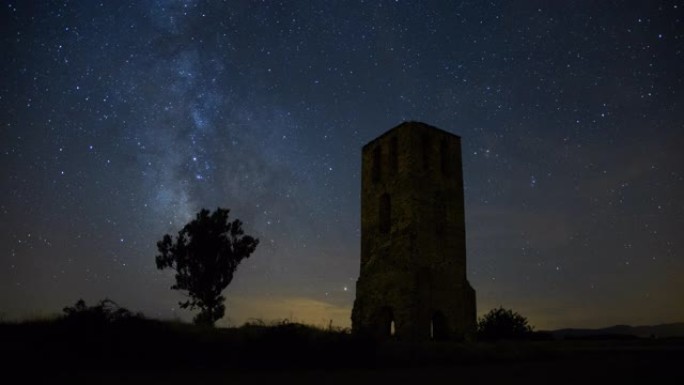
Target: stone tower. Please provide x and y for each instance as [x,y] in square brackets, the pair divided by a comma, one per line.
[413,255]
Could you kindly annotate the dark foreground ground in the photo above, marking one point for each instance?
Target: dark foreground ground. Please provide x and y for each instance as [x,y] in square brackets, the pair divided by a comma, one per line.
[152,352]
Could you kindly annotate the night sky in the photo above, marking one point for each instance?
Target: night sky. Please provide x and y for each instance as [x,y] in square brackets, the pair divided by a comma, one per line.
[120,121]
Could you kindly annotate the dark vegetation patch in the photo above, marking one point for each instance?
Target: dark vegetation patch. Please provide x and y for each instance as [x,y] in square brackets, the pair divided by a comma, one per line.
[105,341]
[135,342]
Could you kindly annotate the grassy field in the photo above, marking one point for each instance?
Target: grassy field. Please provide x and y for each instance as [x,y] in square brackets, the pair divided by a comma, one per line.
[139,350]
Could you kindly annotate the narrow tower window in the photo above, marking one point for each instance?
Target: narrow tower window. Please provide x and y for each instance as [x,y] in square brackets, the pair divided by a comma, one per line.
[377,164]
[444,155]
[394,157]
[426,151]
[440,214]
[385,214]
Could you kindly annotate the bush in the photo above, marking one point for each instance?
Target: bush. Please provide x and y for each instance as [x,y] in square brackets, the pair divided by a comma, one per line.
[503,324]
[105,312]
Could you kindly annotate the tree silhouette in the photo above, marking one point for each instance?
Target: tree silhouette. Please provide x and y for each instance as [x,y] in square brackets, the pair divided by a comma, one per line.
[204,256]
[501,324]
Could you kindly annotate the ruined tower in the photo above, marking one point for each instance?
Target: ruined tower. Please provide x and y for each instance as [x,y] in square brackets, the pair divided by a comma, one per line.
[413,282]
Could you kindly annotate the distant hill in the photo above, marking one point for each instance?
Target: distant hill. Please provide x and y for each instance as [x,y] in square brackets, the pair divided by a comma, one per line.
[623,331]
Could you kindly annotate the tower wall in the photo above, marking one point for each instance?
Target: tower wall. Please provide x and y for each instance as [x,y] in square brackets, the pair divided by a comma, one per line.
[413,256]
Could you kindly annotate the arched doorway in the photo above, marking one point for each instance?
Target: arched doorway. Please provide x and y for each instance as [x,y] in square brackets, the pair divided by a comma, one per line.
[439,330]
[386,325]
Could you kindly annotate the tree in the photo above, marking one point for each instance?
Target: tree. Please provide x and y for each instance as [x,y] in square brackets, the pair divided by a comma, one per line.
[501,324]
[204,256]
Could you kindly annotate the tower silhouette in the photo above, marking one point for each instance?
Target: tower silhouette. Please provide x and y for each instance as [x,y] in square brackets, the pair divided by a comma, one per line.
[412,281]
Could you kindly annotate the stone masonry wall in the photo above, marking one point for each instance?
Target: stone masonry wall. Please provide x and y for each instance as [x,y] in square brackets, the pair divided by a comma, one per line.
[413,257]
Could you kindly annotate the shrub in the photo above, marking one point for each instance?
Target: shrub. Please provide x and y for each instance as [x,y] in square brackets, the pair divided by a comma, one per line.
[503,324]
[106,311]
